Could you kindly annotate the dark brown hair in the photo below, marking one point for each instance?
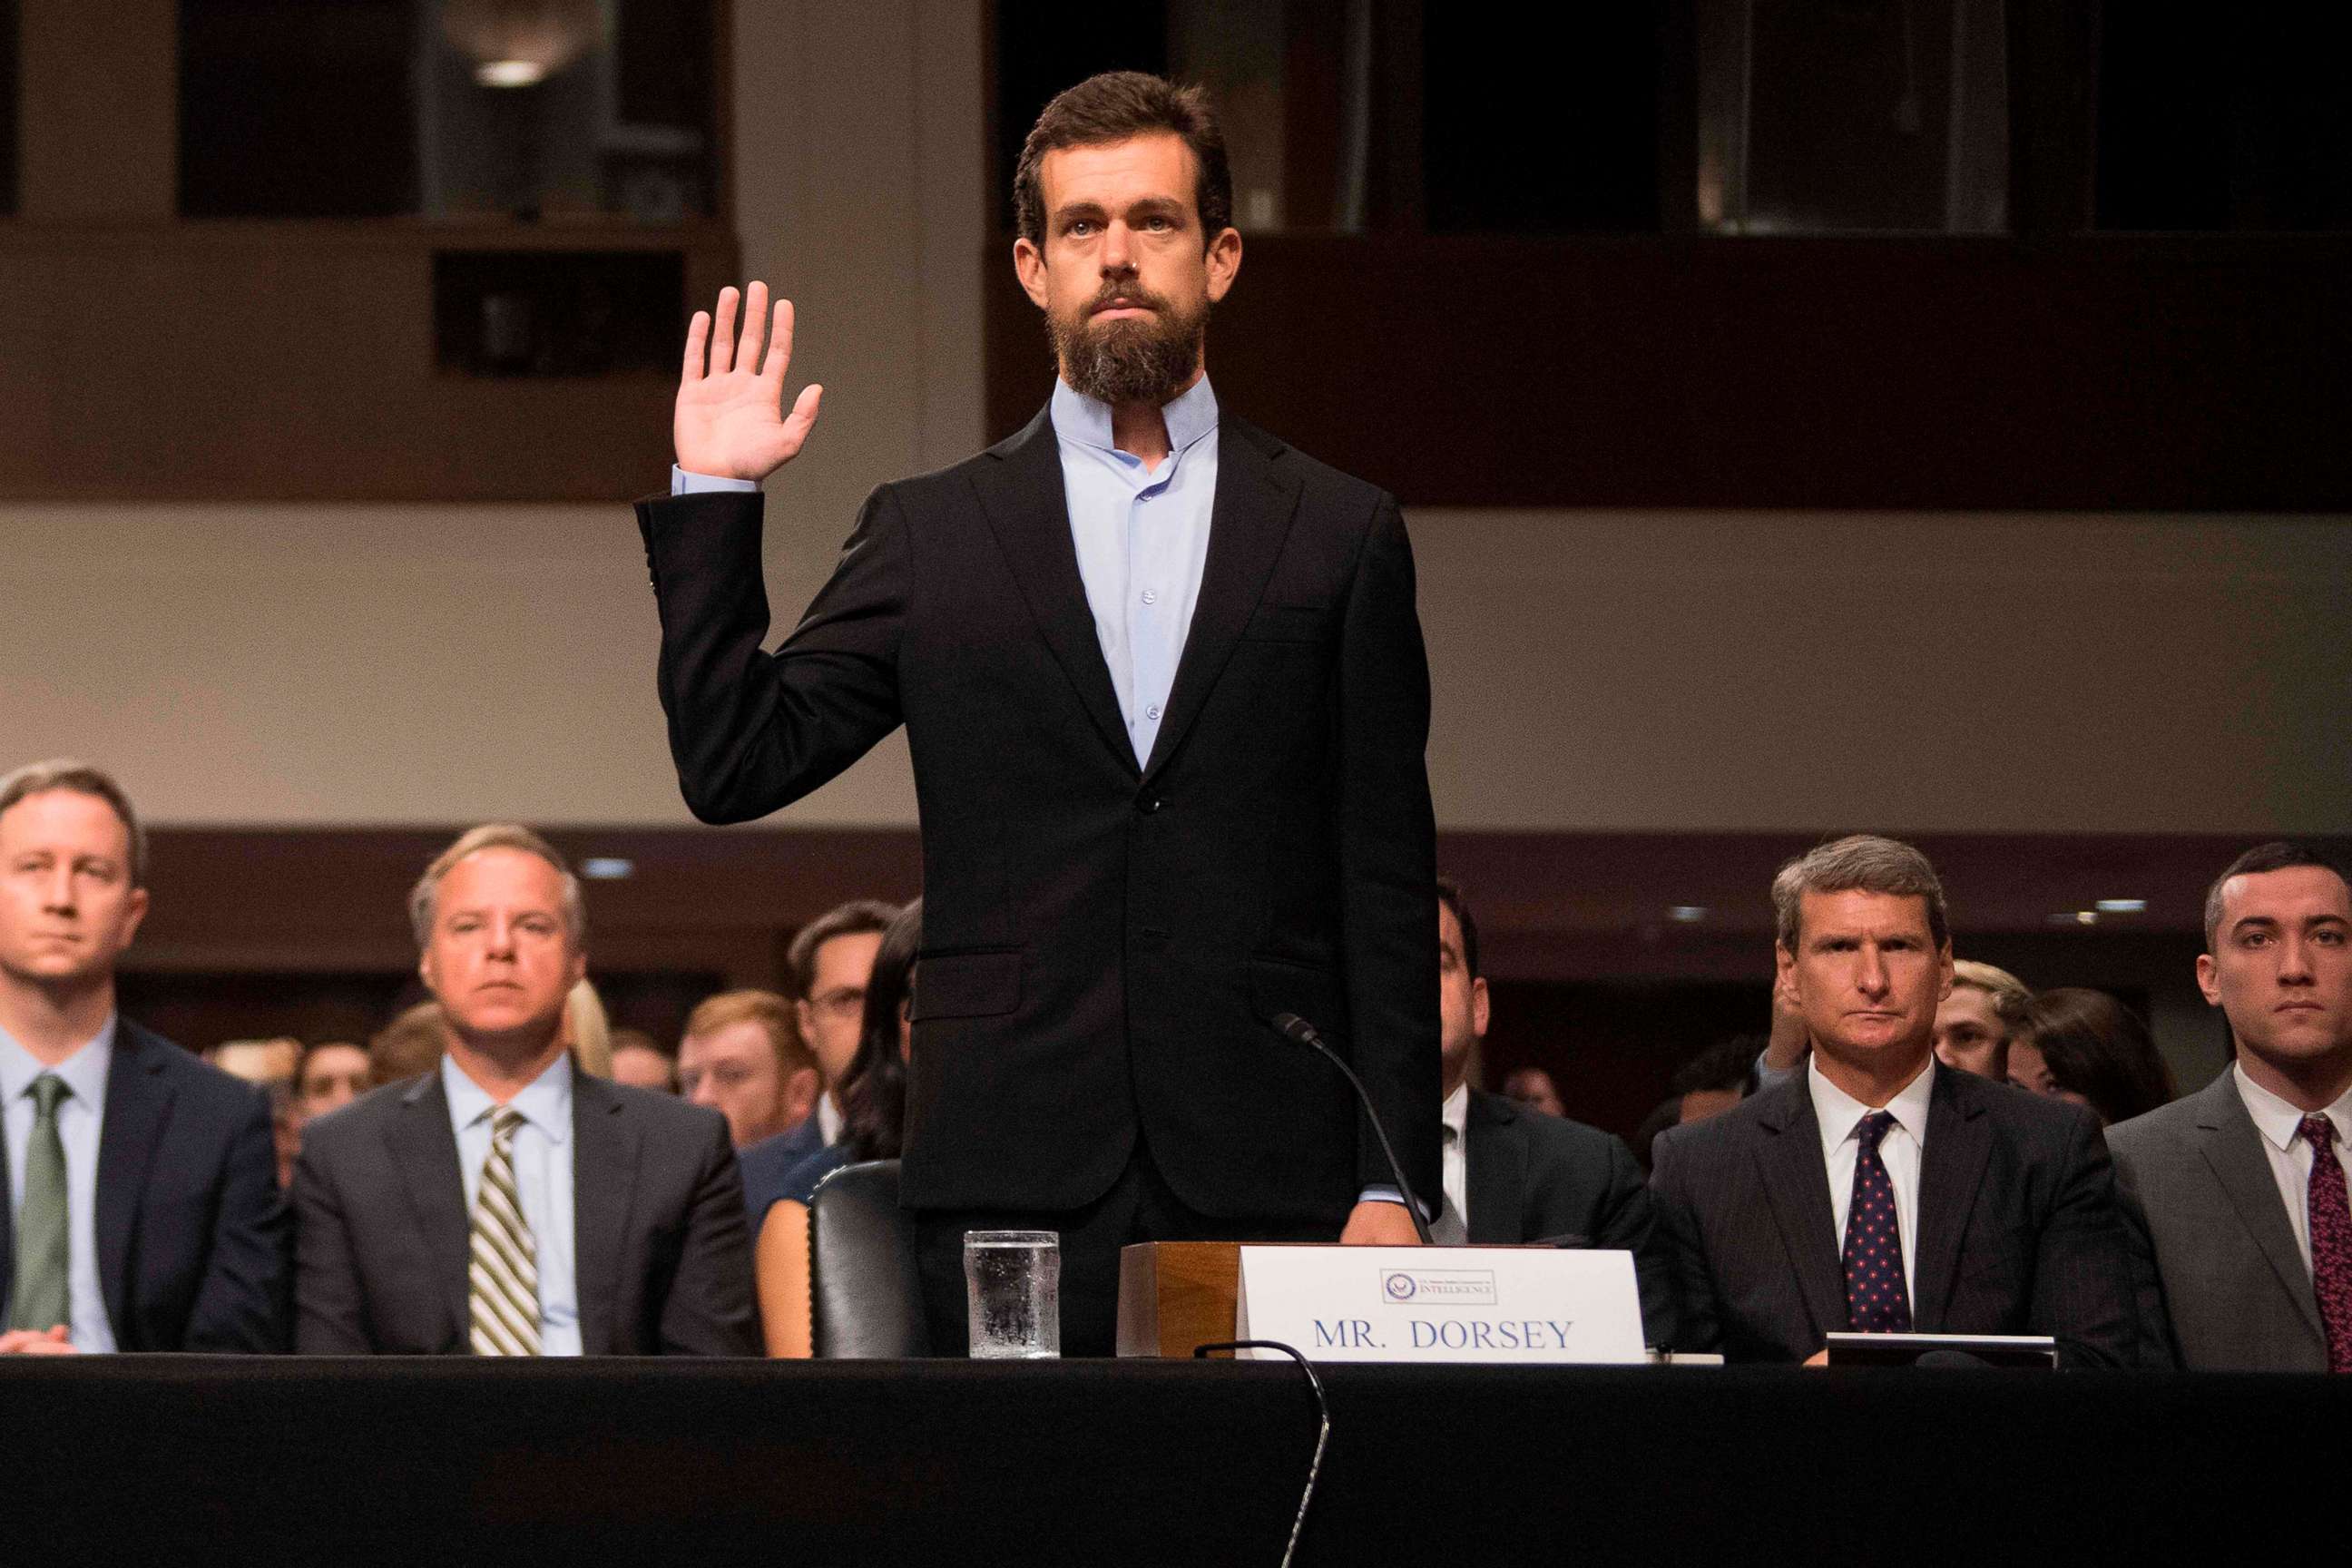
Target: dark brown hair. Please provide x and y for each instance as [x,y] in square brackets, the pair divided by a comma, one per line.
[1449,893]
[2278,856]
[2098,1048]
[1116,107]
[855,918]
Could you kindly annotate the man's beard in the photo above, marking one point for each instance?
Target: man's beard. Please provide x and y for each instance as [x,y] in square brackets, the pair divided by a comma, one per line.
[1133,359]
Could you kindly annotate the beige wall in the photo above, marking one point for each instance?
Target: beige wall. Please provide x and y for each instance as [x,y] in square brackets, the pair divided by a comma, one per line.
[300,664]
[1591,671]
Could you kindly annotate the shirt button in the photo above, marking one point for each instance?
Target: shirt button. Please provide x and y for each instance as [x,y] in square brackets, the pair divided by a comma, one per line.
[1151,598]
[1152,712]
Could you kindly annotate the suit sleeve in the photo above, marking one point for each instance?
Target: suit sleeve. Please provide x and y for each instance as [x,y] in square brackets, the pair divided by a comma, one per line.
[709,1309]
[2158,1349]
[2082,1280]
[1626,1219]
[328,1320]
[242,1304]
[1696,1324]
[751,731]
[1388,857]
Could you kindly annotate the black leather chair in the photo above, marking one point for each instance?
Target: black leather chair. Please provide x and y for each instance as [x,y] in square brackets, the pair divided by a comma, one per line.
[866,1301]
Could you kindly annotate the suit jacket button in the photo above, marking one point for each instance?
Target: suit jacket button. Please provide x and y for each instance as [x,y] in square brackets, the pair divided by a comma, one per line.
[1149,804]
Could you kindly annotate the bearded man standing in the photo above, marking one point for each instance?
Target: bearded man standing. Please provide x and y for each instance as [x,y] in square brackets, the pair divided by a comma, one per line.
[1165,692]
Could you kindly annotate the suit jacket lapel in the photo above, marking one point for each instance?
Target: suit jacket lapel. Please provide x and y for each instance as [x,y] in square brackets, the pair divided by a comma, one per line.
[1028,505]
[2232,1147]
[1797,1184]
[138,1107]
[1249,521]
[1494,1172]
[604,1175]
[424,1151]
[1951,1170]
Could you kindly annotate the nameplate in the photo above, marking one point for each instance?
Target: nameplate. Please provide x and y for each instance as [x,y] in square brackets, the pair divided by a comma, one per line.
[1441,1304]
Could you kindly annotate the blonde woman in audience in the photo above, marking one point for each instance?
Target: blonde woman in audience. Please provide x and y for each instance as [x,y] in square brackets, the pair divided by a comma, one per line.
[270,1065]
[1979,1019]
[588,1030]
[873,1123]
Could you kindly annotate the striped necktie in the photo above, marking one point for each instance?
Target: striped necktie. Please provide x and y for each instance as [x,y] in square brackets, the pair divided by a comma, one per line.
[502,1275]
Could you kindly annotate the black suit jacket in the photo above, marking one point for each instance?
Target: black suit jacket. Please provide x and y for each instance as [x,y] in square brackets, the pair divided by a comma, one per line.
[1531,1177]
[382,1236]
[1103,943]
[192,1239]
[2018,1229]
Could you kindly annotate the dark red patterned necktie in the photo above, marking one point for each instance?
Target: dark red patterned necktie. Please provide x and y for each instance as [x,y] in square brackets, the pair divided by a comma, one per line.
[2331,1241]
[1877,1301]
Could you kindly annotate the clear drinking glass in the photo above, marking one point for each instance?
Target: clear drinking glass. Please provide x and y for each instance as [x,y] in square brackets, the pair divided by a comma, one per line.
[1013,1294]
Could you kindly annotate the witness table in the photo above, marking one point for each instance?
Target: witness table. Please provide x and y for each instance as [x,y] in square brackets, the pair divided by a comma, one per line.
[643,1462]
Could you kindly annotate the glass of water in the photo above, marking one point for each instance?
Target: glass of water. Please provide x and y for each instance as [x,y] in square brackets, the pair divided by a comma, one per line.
[1013,1294]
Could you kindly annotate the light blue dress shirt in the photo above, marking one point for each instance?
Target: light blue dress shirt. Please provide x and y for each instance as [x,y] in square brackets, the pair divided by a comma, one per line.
[82,1117]
[542,1172]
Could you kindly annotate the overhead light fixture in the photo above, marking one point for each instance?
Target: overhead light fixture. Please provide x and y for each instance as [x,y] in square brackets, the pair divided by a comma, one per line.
[2076,918]
[2122,906]
[607,868]
[521,43]
[1687,914]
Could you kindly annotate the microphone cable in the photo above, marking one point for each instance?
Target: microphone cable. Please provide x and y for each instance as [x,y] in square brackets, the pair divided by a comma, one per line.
[1322,1435]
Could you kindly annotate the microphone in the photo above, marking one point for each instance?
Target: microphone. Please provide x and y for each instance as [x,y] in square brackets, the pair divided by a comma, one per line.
[1300,1030]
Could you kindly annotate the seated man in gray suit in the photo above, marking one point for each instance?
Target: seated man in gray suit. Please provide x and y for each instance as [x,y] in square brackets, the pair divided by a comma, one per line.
[1877,1190]
[1514,1174]
[2240,1189]
[504,1202]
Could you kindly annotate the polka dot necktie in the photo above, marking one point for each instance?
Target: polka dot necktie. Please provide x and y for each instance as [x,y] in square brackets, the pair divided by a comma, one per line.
[2331,1241]
[1876,1298]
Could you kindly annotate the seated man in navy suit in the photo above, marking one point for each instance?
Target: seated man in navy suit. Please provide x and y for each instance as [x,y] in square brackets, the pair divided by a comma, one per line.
[142,1210]
[1513,1174]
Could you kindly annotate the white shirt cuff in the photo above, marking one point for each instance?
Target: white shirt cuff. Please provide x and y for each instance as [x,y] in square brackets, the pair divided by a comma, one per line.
[682,483]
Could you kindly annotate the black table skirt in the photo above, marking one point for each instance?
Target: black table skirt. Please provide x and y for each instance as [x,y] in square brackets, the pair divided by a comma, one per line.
[324,1461]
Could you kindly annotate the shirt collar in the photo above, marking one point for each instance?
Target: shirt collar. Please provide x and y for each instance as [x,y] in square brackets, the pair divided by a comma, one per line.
[1840,1114]
[1086,420]
[2281,1120]
[545,1103]
[84,1073]
[1455,1113]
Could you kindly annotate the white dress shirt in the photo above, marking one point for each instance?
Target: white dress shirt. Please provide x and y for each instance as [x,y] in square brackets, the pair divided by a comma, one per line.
[2281,1125]
[828,1120]
[81,1119]
[1455,1115]
[542,1173]
[1840,1115]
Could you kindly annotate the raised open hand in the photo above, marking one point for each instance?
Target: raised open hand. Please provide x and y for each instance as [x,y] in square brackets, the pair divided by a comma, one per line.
[729,422]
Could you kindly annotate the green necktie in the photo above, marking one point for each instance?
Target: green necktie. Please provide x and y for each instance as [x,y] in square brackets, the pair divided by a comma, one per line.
[41,1296]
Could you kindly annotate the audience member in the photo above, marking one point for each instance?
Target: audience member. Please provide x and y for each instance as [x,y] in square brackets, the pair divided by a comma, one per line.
[1717,1078]
[743,1057]
[270,1065]
[410,1045]
[874,1115]
[1979,1022]
[333,1073]
[141,1211]
[2239,1189]
[2094,1051]
[827,963]
[639,1062]
[1876,1192]
[508,1202]
[1785,1048]
[1511,1174]
[1533,1088]
[829,959]
[588,1030]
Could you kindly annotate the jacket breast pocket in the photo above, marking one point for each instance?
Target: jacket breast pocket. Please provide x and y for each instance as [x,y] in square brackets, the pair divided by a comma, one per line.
[967,985]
